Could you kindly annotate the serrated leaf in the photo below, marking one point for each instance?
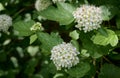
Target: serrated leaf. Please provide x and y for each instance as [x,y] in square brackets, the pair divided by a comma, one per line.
[62,14]
[112,39]
[33,38]
[80,70]
[109,71]
[48,41]
[23,27]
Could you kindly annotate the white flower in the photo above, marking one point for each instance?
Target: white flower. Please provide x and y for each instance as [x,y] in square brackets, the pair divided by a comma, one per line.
[64,55]
[5,22]
[88,17]
[42,4]
[55,1]
[37,26]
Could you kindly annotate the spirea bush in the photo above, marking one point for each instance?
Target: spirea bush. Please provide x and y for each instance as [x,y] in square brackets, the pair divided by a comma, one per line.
[59,39]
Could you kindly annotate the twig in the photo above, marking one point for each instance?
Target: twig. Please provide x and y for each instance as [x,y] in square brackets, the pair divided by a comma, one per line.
[107,60]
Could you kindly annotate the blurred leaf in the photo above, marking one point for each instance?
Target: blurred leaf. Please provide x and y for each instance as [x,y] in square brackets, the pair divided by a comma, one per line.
[2,73]
[115,56]
[11,73]
[37,76]
[103,32]
[32,50]
[6,42]
[112,39]
[30,66]
[23,27]
[95,54]
[95,51]
[62,14]
[66,6]
[106,13]
[20,51]
[44,73]
[74,35]
[91,73]
[58,75]
[3,56]
[118,22]
[48,41]
[109,71]
[14,61]
[80,70]
[76,44]
[1,7]
[33,38]
[84,53]
[52,66]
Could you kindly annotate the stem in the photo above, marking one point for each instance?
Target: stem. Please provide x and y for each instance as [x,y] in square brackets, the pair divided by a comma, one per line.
[107,60]
[18,12]
[23,9]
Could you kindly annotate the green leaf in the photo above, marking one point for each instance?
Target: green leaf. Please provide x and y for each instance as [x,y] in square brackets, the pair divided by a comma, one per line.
[114,56]
[109,71]
[95,54]
[105,13]
[66,6]
[112,39]
[80,70]
[74,35]
[1,7]
[84,53]
[76,44]
[2,73]
[23,27]
[118,22]
[52,66]
[10,73]
[95,51]
[57,75]
[30,68]
[33,38]
[3,56]
[48,41]
[32,50]
[61,14]
[103,32]
[37,76]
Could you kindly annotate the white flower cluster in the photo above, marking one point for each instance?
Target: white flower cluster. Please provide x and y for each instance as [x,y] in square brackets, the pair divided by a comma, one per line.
[88,17]
[55,1]
[37,26]
[42,4]
[5,22]
[64,55]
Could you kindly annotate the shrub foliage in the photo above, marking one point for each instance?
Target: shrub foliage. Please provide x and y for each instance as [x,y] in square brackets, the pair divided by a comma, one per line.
[25,48]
